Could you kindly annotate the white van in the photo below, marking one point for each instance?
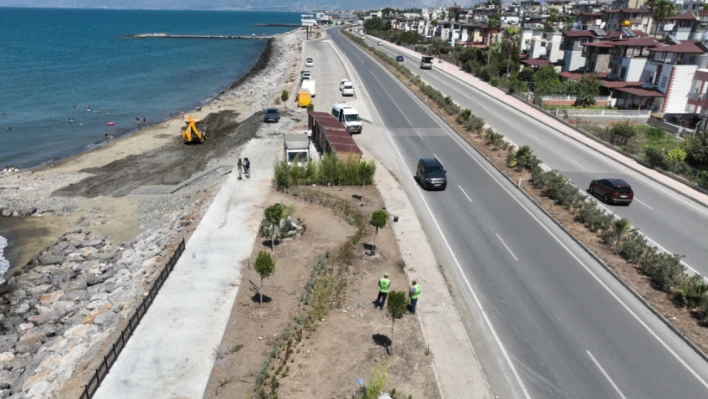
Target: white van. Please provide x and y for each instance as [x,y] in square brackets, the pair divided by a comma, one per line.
[347,116]
[309,84]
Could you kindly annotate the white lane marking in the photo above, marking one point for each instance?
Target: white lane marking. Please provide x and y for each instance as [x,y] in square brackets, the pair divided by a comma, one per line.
[507,248]
[454,257]
[575,162]
[392,102]
[436,157]
[607,376]
[463,192]
[643,203]
[617,298]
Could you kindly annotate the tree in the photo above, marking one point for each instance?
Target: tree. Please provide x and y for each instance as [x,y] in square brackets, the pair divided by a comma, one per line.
[547,80]
[436,45]
[697,150]
[265,267]
[273,214]
[284,95]
[621,228]
[396,309]
[586,90]
[552,18]
[660,9]
[378,220]
[510,45]
[675,158]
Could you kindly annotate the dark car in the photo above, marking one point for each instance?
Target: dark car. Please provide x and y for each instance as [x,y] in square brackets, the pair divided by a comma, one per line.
[612,191]
[399,58]
[431,174]
[271,115]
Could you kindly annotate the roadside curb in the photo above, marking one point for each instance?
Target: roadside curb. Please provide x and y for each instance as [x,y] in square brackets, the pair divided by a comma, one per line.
[596,139]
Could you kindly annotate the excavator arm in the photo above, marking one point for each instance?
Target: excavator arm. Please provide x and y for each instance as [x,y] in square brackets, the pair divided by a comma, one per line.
[191,134]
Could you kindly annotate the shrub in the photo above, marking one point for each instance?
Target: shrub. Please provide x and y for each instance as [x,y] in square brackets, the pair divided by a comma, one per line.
[702,180]
[524,158]
[464,116]
[609,237]
[284,95]
[663,269]
[633,247]
[655,157]
[330,169]
[593,217]
[494,139]
[692,291]
[474,124]
[494,81]
[310,107]
[511,158]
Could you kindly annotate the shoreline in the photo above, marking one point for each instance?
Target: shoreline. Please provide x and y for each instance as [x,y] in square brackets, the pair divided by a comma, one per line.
[261,62]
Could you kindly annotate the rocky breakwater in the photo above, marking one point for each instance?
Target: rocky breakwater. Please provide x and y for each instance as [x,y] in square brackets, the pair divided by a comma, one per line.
[265,85]
[58,312]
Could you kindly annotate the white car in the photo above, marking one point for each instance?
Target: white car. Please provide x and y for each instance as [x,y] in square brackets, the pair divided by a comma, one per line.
[309,62]
[342,82]
[379,44]
[347,88]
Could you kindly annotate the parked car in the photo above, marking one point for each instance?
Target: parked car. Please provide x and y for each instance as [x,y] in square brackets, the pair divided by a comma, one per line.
[305,75]
[399,58]
[271,115]
[309,62]
[612,191]
[342,83]
[379,44]
[431,174]
[347,89]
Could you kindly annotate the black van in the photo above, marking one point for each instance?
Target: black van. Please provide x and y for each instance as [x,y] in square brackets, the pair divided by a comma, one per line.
[431,174]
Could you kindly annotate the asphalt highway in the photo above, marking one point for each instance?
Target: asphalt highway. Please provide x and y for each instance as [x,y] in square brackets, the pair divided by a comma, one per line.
[569,329]
[675,223]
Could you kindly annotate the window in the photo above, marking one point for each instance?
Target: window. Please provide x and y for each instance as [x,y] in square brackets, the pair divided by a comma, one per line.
[623,76]
[664,81]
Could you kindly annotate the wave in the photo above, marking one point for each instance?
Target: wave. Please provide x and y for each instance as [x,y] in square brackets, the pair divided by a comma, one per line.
[4,263]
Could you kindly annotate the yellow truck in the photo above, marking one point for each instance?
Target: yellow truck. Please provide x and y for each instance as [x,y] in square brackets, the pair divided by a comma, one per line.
[304,98]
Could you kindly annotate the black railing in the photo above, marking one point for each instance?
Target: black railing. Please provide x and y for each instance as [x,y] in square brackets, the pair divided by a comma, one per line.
[110,358]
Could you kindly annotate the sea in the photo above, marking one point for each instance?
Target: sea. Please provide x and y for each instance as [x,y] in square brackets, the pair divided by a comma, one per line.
[65,74]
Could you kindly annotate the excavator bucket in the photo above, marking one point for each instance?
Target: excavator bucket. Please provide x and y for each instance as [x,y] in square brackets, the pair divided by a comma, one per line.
[191,133]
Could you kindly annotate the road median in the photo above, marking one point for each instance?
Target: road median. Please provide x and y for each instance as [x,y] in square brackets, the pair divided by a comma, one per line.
[658,279]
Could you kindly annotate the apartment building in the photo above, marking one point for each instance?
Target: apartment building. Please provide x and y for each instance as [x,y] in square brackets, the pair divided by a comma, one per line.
[686,26]
[672,69]
[547,46]
[689,5]
[639,19]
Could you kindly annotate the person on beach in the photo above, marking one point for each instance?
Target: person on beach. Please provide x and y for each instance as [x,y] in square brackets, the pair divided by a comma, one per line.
[247,167]
[144,121]
[239,166]
[137,121]
[181,114]
[105,134]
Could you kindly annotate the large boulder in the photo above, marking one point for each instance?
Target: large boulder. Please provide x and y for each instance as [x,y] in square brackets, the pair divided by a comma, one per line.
[28,345]
[51,259]
[7,341]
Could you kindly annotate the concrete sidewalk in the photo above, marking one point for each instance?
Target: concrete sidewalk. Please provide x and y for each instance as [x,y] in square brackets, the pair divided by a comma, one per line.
[523,107]
[171,353]
[457,370]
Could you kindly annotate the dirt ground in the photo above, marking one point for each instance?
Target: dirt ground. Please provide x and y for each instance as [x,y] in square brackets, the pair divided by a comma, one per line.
[171,164]
[348,340]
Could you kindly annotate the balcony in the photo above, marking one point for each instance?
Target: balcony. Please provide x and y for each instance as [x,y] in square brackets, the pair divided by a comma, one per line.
[698,99]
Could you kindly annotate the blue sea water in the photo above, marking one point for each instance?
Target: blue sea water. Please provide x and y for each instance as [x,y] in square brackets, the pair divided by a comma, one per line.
[56,59]
[57,62]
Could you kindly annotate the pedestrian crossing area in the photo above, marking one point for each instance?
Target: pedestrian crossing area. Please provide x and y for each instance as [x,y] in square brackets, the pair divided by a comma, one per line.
[418,132]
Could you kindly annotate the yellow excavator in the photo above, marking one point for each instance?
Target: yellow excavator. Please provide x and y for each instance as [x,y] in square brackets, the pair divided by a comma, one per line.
[192,135]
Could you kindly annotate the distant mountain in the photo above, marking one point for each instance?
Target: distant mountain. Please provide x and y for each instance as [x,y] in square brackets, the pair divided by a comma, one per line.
[274,5]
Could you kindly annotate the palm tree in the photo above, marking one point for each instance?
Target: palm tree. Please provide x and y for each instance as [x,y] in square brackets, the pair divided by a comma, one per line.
[510,44]
[436,45]
[552,18]
[660,9]
[621,228]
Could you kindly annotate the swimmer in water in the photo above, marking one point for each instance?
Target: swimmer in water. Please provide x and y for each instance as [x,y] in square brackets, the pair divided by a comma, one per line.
[8,128]
[88,108]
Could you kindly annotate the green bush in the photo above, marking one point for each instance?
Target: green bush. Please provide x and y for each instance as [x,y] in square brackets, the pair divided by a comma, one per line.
[463,116]
[330,170]
[663,269]
[474,124]
[494,139]
[593,217]
[655,157]
[691,292]
[633,247]
[284,95]
[702,180]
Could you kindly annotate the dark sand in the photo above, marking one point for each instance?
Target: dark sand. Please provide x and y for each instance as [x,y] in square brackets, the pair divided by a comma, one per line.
[28,236]
[172,164]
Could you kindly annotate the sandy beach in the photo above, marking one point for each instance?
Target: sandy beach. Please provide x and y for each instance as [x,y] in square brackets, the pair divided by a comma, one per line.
[121,206]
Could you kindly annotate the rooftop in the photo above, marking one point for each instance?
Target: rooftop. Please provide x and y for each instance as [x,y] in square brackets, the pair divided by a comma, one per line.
[640,92]
[538,62]
[685,47]
[628,11]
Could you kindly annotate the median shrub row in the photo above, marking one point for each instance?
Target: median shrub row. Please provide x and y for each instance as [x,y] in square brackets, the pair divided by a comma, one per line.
[665,271]
[329,170]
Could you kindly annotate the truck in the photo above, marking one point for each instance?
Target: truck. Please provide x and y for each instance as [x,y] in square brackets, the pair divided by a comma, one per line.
[347,116]
[426,62]
[297,148]
[309,84]
[303,98]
